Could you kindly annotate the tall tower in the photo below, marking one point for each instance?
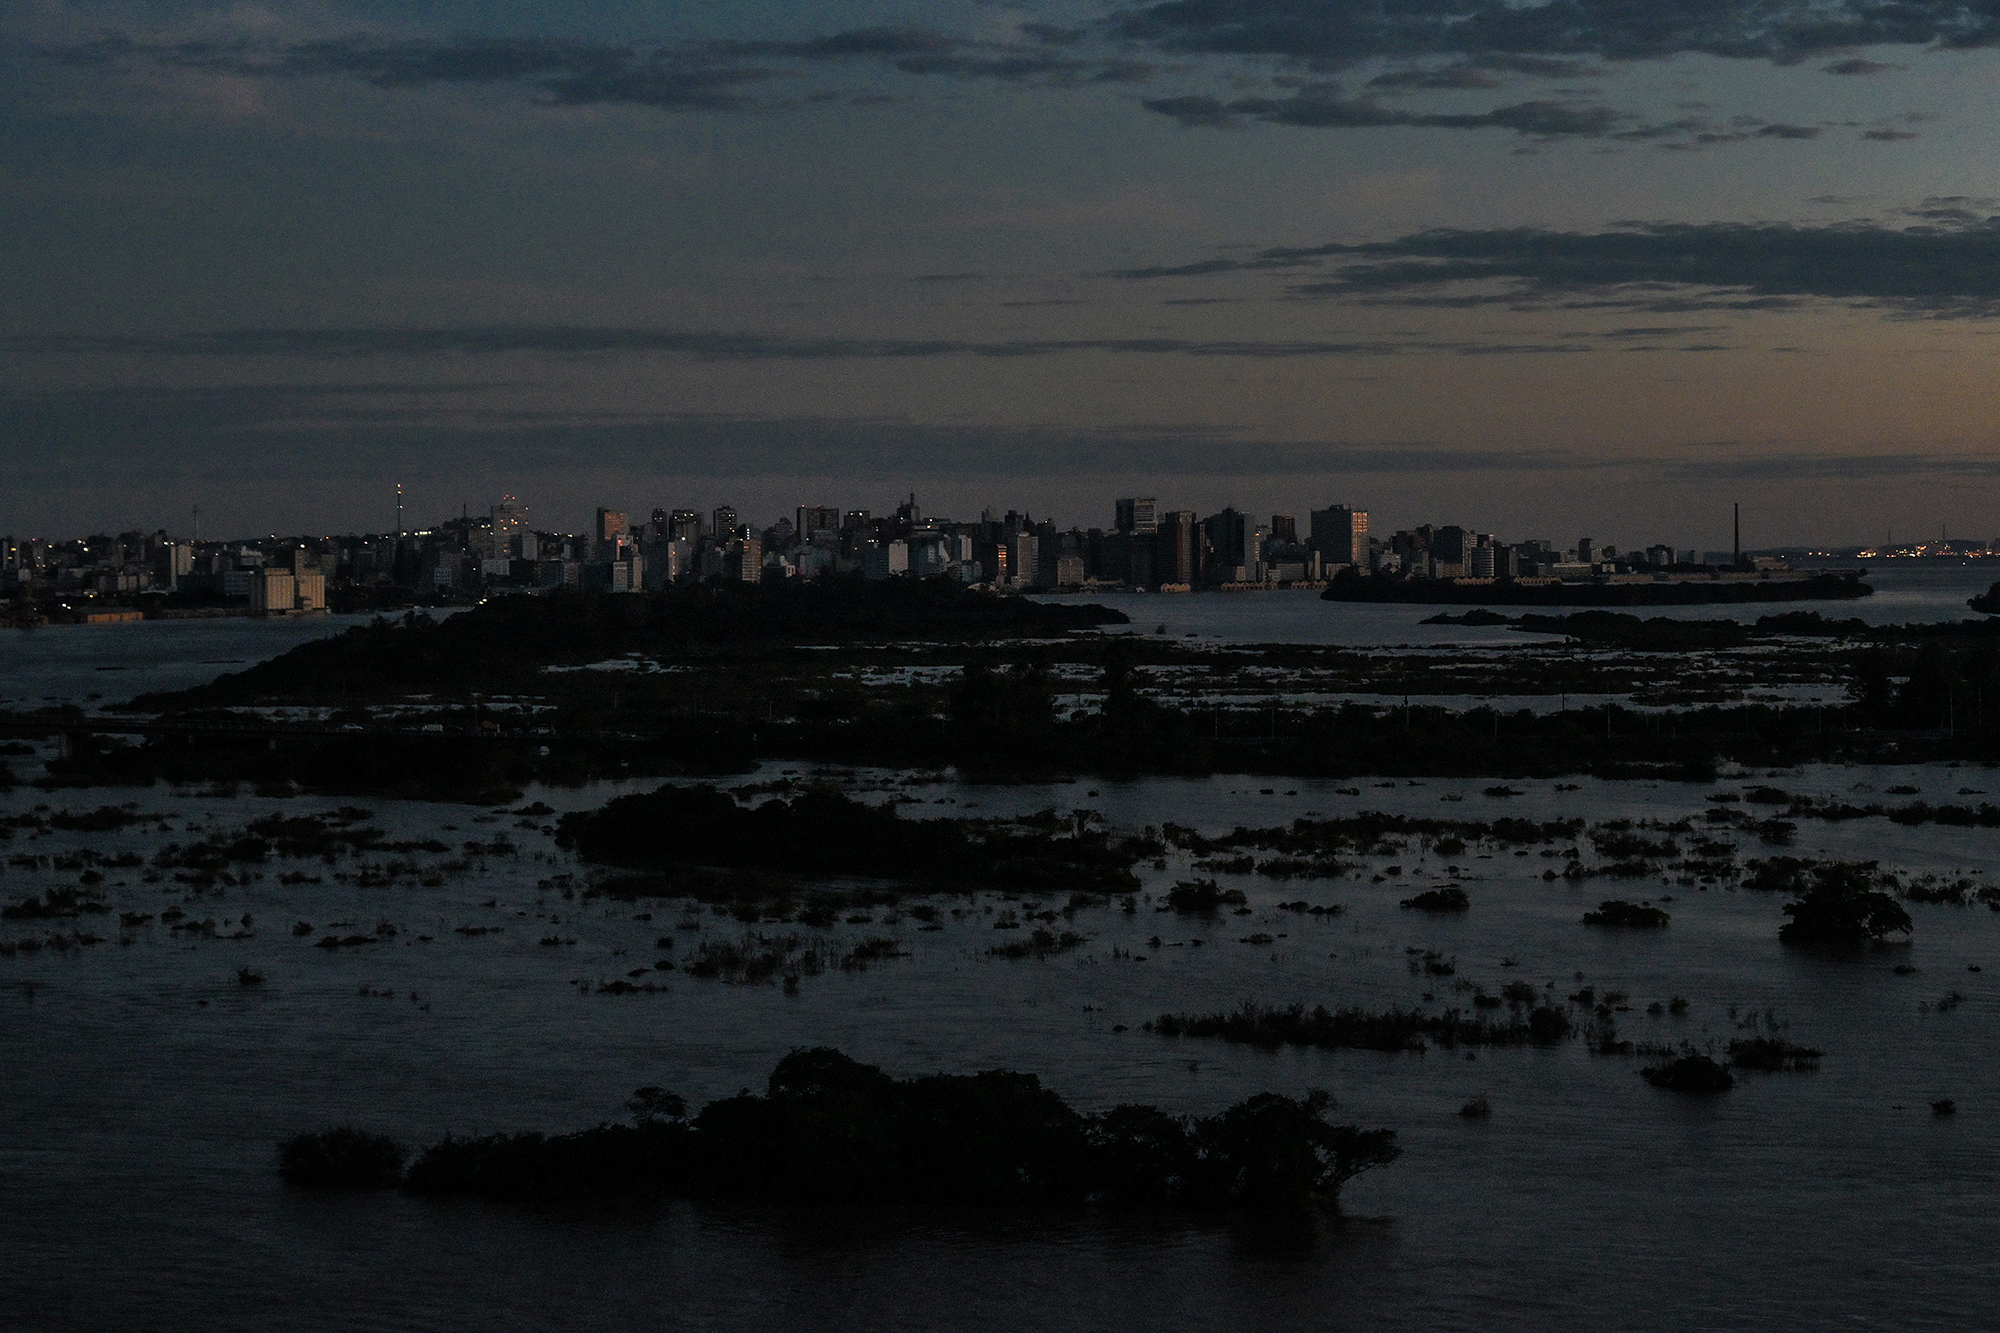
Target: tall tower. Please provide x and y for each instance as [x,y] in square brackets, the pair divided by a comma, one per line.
[1340,535]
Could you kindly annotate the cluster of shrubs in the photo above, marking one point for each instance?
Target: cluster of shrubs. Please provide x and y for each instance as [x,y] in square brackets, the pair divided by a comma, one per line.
[832,1130]
[1439,900]
[824,831]
[1629,916]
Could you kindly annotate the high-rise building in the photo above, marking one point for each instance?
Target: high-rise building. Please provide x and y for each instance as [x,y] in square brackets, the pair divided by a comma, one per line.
[725,521]
[1021,559]
[273,591]
[1174,548]
[1449,549]
[175,561]
[1137,515]
[509,523]
[611,531]
[817,518]
[1284,530]
[1340,535]
[1230,546]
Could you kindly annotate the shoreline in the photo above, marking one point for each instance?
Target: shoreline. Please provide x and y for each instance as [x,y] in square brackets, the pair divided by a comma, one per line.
[1681,592]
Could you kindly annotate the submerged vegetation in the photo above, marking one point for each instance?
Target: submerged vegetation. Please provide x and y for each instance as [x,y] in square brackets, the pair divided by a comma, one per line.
[1690,1073]
[1630,916]
[690,682]
[1842,905]
[825,832]
[830,1130]
[1360,1029]
[344,1159]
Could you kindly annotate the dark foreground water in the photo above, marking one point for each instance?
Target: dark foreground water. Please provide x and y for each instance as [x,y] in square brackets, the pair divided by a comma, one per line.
[142,1089]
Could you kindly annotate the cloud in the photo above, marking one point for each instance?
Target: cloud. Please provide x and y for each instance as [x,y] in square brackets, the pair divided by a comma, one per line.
[1333,33]
[1947,265]
[1422,46]
[683,76]
[1447,76]
[340,344]
[703,346]
[1820,467]
[1322,106]
[243,433]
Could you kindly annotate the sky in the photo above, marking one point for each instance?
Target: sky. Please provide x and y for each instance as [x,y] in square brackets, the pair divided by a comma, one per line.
[1590,267]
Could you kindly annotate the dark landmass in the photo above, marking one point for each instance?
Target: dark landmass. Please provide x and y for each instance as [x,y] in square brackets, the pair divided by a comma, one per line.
[1988,602]
[823,832]
[1476,616]
[994,707]
[831,1131]
[507,641]
[1447,592]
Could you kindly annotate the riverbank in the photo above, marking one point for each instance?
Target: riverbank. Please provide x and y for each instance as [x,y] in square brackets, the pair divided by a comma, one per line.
[1711,591]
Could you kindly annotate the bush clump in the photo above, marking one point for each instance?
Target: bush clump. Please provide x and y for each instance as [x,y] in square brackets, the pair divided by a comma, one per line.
[1842,906]
[342,1159]
[1690,1073]
[1203,897]
[1773,1054]
[824,831]
[1439,900]
[829,1129]
[1618,912]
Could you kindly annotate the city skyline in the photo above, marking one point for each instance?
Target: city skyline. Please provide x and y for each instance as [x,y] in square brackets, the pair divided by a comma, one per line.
[1507,270]
[1720,532]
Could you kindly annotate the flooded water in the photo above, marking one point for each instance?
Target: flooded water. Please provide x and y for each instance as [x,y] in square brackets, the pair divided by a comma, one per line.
[112,663]
[145,1089]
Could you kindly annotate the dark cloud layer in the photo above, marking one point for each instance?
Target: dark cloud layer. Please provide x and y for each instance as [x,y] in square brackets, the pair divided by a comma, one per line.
[1322,106]
[688,76]
[1332,33]
[239,431]
[1428,46]
[709,346]
[229,438]
[1949,266]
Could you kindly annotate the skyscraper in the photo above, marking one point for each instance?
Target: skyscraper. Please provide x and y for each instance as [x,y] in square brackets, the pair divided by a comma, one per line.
[510,521]
[611,530]
[1137,515]
[817,518]
[1174,548]
[1231,542]
[1340,535]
